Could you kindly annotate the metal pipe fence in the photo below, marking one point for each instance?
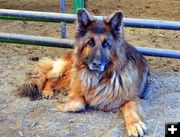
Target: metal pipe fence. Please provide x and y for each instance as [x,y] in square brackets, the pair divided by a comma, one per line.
[66,43]
[35,40]
[69,18]
[63,24]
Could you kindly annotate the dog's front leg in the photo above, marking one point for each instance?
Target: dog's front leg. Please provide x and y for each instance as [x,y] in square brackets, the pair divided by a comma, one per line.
[135,127]
[47,91]
[74,102]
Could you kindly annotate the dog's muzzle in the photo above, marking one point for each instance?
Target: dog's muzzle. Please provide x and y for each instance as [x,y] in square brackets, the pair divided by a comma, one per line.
[97,66]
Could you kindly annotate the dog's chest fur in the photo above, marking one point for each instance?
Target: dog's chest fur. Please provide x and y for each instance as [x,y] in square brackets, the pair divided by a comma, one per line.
[105,93]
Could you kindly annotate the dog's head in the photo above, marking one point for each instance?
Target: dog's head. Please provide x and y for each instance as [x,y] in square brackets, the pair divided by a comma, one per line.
[95,41]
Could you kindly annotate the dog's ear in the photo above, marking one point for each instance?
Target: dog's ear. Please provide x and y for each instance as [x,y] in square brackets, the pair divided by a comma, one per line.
[115,21]
[83,19]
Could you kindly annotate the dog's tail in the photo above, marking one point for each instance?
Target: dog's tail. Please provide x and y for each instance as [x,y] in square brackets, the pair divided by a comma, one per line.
[36,80]
[30,90]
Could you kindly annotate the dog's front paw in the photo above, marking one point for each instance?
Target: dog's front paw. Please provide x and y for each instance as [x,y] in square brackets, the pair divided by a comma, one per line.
[72,106]
[136,129]
[47,94]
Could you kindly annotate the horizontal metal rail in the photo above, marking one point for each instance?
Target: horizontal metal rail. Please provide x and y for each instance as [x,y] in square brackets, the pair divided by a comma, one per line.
[69,18]
[35,40]
[66,43]
[167,53]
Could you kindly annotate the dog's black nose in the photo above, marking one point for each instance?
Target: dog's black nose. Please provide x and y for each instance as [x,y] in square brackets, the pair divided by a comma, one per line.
[97,63]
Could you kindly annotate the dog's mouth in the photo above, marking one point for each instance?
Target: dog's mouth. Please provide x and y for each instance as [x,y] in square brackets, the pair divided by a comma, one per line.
[99,68]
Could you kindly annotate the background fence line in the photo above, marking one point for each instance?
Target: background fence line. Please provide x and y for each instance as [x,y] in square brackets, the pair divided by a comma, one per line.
[70,18]
[67,43]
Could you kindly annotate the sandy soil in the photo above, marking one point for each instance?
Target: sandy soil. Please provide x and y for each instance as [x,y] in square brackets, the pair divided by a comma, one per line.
[21,117]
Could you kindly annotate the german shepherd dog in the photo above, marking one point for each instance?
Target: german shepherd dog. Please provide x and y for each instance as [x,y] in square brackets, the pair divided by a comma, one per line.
[103,71]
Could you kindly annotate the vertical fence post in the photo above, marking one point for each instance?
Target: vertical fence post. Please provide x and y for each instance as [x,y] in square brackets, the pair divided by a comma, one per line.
[78,4]
[86,4]
[63,24]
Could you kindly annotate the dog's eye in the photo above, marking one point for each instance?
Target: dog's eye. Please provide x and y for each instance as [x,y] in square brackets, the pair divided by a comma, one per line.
[91,42]
[105,44]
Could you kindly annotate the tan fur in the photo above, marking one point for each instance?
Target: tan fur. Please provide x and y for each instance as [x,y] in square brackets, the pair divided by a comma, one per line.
[58,67]
[38,75]
[132,118]
[117,87]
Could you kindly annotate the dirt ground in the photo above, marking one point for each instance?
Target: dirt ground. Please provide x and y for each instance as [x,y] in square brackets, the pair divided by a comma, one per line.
[21,117]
